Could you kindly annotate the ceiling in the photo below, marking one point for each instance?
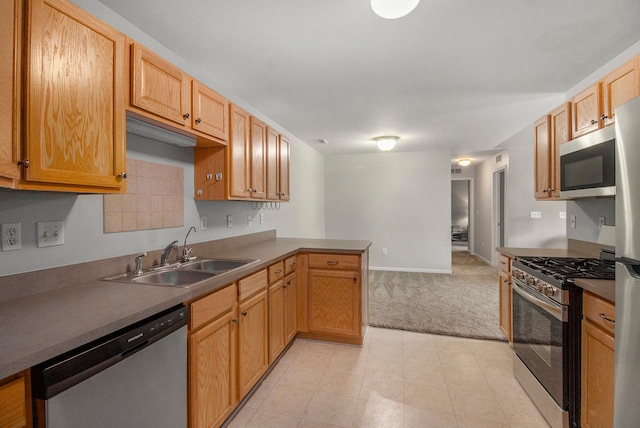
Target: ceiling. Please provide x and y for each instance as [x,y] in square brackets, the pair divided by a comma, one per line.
[463,75]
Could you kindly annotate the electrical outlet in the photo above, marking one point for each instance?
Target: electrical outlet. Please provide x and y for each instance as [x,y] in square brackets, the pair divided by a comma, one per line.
[536,214]
[11,236]
[229,221]
[572,222]
[50,233]
[384,251]
[249,219]
[562,214]
[261,218]
[203,222]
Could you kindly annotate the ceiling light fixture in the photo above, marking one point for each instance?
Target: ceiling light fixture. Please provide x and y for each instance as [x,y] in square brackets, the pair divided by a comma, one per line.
[393,9]
[386,143]
[464,162]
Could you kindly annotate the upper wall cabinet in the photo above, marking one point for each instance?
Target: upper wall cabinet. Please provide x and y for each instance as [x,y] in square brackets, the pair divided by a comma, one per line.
[284,158]
[74,107]
[11,16]
[619,87]
[551,131]
[595,107]
[166,96]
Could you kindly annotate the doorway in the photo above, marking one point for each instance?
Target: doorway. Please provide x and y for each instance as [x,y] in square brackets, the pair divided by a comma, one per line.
[499,225]
[460,214]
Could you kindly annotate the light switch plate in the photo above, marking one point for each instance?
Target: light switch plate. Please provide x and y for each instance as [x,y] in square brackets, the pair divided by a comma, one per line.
[50,233]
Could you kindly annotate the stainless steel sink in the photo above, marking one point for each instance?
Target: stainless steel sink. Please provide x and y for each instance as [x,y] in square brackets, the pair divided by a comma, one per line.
[173,277]
[182,274]
[215,265]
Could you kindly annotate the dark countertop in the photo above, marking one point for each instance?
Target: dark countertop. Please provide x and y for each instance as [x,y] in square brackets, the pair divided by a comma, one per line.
[600,287]
[539,252]
[36,327]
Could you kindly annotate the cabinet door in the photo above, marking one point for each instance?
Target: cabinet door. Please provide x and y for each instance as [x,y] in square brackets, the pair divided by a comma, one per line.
[212,372]
[334,302]
[10,31]
[252,342]
[618,88]
[239,158]
[276,320]
[597,377]
[586,109]
[159,87]
[290,307]
[210,112]
[542,156]
[560,133]
[14,407]
[504,286]
[284,159]
[75,108]
[257,158]
[272,163]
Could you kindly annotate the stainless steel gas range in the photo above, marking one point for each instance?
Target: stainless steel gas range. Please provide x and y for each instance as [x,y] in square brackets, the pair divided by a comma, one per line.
[547,309]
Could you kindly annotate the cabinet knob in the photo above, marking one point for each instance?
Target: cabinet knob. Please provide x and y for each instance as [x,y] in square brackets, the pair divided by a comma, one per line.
[593,121]
[355,279]
[186,115]
[604,116]
[24,163]
[244,313]
[198,120]
[285,285]
[123,175]
[235,320]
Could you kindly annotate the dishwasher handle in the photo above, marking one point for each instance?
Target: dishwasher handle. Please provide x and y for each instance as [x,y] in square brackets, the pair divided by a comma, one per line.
[61,373]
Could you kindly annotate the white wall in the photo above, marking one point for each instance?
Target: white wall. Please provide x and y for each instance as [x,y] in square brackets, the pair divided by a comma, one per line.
[83,214]
[400,201]
[520,229]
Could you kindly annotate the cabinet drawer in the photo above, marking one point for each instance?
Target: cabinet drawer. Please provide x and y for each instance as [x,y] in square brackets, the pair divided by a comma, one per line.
[599,312]
[505,263]
[250,285]
[212,306]
[290,265]
[276,272]
[334,261]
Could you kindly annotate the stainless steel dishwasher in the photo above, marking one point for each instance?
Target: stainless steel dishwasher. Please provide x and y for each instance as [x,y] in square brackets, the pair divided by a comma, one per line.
[135,377]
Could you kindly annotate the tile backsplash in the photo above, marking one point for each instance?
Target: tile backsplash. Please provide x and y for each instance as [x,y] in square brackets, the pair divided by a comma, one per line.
[154,199]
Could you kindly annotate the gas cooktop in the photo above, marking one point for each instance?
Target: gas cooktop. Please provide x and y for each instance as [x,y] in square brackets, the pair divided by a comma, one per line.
[564,268]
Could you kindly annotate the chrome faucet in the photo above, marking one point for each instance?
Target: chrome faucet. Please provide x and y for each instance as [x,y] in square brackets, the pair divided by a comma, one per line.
[164,257]
[186,251]
[138,270]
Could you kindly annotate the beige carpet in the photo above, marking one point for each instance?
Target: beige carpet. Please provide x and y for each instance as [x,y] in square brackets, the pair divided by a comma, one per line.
[463,304]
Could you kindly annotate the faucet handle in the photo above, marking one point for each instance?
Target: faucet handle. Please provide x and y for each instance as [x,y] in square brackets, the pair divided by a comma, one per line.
[139,257]
[186,255]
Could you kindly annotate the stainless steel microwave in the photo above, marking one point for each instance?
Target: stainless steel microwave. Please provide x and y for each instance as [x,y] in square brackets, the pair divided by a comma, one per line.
[588,165]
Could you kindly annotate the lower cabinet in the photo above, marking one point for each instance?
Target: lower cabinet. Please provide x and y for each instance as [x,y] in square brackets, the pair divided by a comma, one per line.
[212,358]
[334,296]
[598,351]
[282,307]
[253,357]
[15,404]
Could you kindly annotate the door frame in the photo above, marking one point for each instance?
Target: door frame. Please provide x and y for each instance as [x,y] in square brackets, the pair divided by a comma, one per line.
[499,205]
[471,211]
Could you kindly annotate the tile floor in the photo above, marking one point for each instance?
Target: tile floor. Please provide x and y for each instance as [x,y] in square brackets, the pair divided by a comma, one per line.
[398,379]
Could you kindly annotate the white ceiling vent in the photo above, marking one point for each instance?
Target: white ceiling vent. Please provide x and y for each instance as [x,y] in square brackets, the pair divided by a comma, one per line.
[156,133]
[456,171]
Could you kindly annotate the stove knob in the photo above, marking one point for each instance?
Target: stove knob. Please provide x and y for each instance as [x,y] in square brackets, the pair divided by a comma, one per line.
[531,281]
[550,291]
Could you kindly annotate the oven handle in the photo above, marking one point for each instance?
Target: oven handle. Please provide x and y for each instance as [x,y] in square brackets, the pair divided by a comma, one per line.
[558,312]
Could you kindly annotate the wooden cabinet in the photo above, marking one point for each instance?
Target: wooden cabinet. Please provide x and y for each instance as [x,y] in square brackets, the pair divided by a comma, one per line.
[257,164]
[238,157]
[15,401]
[551,131]
[619,87]
[334,295]
[168,97]
[282,306]
[213,358]
[504,295]
[598,352]
[253,355]
[587,110]
[277,161]
[74,105]
[284,159]
[10,66]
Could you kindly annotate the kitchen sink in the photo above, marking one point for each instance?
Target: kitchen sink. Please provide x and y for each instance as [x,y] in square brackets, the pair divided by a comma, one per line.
[215,265]
[182,274]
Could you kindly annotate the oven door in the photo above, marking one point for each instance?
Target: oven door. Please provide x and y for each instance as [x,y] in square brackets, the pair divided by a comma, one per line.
[540,332]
